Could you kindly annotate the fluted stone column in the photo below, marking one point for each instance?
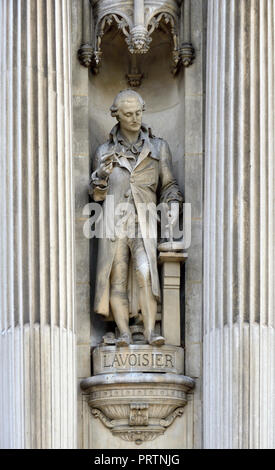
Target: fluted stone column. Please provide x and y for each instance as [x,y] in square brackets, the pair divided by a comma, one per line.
[37,342]
[239,314]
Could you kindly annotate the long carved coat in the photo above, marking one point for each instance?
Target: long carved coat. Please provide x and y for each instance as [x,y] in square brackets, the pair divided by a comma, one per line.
[149,179]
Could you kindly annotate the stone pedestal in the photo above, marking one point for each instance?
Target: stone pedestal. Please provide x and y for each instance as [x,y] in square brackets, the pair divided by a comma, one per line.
[138,391]
[171,327]
[138,358]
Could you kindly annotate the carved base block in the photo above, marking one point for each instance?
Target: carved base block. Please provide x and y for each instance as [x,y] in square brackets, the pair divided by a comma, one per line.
[138,358]
[137,407]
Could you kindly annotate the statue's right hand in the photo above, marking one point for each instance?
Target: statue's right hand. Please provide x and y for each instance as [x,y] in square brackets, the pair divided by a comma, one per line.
[106,166]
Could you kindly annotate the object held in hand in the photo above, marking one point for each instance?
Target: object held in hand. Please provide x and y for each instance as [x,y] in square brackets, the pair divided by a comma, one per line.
[109,158]
[106,166]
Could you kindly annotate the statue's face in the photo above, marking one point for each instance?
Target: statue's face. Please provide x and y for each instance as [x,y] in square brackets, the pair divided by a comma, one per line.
[130,115]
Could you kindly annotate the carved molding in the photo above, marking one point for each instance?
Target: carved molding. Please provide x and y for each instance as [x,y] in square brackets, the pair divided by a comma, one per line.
[137,407]
[109,423]
[137,20]
[134,79]
[138,436]
[187,54]
[86,55]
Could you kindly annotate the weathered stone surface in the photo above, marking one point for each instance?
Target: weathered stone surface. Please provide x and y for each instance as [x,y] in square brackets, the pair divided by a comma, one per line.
[138,358]
[35,68]
[239,266]
[82,254]
[193,167]
[136,24]
[137,407]
[171,270]
[37,341]
[167,113]
[193,271]
[81,181]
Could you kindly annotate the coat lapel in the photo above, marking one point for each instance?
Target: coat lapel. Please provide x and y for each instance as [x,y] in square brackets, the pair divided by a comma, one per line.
[143,154]
[123,162]
[147,149]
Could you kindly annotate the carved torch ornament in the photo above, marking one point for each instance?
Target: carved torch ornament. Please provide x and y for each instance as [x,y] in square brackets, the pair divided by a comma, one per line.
[136,20]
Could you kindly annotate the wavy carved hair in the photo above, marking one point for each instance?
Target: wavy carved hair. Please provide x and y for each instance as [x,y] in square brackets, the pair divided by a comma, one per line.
[123,96]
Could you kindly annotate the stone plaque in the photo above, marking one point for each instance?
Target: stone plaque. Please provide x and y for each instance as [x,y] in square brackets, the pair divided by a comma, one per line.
[138,358]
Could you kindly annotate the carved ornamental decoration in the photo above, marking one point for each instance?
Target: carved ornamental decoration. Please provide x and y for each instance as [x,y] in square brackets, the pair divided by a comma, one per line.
[137,20]
[137,407]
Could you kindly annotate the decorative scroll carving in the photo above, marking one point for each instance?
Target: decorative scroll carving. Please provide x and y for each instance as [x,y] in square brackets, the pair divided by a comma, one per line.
[140,427]
[139,416]
[169,420]
[137,412]
[109,423]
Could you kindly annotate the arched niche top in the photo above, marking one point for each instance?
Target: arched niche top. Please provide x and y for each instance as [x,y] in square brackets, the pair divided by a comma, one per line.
[136,20]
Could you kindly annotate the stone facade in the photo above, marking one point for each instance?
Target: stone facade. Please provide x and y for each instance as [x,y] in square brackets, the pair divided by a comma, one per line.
[38,384]
[218,117]
[239,226]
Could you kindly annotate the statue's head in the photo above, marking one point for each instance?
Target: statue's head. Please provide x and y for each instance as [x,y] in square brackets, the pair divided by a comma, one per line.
[127,108]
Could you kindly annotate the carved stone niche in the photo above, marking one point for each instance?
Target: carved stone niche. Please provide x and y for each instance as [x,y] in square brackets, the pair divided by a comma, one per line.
[137,407]
[136,20]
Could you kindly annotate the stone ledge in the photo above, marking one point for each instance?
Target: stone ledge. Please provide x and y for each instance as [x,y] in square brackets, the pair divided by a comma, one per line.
[130,378]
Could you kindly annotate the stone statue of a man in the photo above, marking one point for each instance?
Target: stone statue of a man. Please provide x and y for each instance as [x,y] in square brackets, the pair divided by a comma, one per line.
[135,167]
